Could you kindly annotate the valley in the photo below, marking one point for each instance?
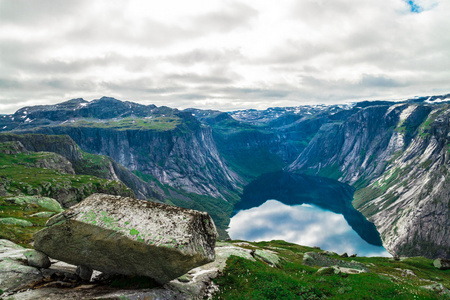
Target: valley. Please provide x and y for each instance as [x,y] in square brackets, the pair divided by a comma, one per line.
[394,155]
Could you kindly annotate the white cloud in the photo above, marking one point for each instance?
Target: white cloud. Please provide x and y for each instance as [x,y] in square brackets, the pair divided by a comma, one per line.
[222,54]
[301,224]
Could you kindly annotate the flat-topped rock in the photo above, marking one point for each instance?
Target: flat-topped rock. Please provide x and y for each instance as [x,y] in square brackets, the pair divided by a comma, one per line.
[121,235]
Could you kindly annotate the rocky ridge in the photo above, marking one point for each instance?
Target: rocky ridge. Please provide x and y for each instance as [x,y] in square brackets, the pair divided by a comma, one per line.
[372,145]
[165,143]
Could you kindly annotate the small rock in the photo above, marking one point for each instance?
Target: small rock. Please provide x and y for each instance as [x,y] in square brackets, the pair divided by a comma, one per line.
[43,214]
[406,272]
[308,258]
[45,202]
[59,275]
[268,257]
[353,255]
[344,254]
[84,272]
[325,271]
[329,253]
[442,263]
[318,259]
[185,278]
[438,288]
[14,274]
[37,259]
[344,270]
[16,222]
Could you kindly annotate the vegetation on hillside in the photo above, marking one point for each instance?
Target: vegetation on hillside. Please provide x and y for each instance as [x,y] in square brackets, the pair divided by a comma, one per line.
[291,279]
[48,174]
[129,123]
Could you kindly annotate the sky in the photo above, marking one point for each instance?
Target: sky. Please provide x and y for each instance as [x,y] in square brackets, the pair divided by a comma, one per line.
[304,224]
[222,54]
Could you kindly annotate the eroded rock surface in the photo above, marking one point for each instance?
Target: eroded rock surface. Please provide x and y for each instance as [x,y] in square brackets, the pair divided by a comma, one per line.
[196,284]
[121,235]
[14,273]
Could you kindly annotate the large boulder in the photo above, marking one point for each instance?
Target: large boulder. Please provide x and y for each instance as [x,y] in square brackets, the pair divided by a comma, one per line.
[121,235]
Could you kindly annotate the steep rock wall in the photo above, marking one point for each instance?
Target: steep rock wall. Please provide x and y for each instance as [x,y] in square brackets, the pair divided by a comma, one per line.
[186,159]
[397,156]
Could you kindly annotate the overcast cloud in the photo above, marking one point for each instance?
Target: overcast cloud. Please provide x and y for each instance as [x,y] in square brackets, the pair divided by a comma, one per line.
[223,55]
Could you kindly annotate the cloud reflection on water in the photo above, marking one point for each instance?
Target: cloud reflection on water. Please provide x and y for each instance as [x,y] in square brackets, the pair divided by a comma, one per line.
[303,224]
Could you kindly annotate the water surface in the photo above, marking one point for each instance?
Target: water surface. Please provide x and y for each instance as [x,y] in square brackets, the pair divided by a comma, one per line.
[309,210]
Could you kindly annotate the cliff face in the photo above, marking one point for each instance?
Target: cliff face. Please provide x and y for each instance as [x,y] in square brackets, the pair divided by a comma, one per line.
[183,159]
[410,203]
[170,146]
[397,156]
[394,154]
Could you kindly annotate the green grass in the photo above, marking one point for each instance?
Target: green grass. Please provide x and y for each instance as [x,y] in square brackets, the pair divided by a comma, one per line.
[156,123]
[244,279]
[19,176]
[426,126]
[20,235]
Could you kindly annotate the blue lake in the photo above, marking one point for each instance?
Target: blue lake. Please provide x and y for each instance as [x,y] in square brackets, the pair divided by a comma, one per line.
[305,210]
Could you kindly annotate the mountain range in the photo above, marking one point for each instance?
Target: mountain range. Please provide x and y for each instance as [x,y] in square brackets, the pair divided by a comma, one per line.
[395,155]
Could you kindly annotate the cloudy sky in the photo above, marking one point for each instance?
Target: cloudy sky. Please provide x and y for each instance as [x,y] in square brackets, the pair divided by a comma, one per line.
[222,54]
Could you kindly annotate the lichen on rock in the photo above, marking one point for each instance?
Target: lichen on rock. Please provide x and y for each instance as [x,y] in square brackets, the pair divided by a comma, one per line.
[126,236]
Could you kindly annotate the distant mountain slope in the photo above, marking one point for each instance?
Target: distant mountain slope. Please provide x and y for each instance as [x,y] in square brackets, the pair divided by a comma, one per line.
[397,156]
[255,142]
[394,153]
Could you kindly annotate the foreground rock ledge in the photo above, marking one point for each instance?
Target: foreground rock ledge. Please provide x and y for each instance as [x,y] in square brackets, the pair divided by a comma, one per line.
[121,235]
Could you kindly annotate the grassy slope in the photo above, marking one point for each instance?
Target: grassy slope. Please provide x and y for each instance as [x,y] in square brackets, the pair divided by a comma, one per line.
[24,178]
[244,279]
[18,234]
[157,123]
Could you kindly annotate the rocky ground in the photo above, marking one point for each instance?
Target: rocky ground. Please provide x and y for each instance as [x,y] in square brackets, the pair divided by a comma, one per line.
[241,270]
[60,281]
